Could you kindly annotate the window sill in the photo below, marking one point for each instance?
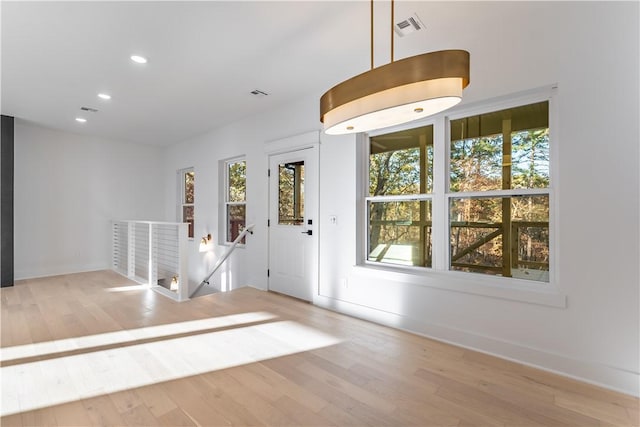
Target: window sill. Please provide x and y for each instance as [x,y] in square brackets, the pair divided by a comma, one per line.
[493,287]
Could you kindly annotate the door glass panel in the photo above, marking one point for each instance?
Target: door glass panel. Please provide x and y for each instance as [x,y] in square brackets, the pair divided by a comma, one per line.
[291,193]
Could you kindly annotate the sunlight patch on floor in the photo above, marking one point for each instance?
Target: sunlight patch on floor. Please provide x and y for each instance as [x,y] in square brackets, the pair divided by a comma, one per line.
[129,335]
[59,380]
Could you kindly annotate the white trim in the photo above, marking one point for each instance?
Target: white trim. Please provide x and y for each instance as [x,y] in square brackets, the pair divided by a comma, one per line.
[400,198]
[40,273]
[181,199]
[536,292]
[527,291]
[225,191]
[362,191]
[592,372]
[545,93]
[498,193]
[148,222]
[292,143]
[440,211]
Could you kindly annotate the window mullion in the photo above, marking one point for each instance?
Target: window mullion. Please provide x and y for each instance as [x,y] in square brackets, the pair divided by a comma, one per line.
[439,202]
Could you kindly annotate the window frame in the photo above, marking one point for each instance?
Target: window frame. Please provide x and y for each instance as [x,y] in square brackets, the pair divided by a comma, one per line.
[545,293]
[182,203]
[225,207]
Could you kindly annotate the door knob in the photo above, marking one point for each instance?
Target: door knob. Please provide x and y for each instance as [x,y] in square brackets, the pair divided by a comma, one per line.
[308,232]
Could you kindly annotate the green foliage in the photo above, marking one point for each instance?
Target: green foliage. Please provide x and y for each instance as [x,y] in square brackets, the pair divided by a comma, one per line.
[530,159]
[237,181]
[476,164]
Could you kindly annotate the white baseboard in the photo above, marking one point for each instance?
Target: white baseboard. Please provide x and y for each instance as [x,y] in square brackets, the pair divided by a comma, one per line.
[38,273]
[609,377]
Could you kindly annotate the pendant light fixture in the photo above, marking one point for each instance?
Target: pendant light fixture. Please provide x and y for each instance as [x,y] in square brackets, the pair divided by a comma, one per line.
[395,93]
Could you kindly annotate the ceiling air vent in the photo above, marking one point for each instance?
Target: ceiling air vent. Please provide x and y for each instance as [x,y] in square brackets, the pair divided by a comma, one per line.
[89,109]
[408,26]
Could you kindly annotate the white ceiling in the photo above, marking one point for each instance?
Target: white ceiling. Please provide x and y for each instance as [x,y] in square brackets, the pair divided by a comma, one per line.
[204,60]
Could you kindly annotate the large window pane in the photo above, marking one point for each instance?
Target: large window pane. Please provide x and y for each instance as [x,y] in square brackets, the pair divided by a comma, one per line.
[291,193]
[186,184]
[530,159]
[189,178]
[236,215]
[237,175]
[235,198]
[507,236]
[501,150]
[400,232]
[187,216]
[401,162]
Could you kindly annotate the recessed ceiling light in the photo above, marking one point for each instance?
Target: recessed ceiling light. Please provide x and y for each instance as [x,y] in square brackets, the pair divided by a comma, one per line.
[104,96]
[139,59]
[80,119]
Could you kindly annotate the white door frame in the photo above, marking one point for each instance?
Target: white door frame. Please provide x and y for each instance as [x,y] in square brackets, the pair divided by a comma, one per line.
[308,140]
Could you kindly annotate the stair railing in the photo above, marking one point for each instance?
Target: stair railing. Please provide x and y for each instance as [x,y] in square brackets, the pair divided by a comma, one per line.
[223,258]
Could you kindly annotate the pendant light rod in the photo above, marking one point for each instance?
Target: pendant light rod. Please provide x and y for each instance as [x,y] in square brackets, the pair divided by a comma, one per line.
[371,15]
[398,92]
[392,32]
[392,38]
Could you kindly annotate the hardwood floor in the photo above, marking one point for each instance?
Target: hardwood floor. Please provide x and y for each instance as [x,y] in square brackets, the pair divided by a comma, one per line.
[84,349]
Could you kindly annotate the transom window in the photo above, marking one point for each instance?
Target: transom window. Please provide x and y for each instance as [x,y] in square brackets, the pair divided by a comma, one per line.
[494,175]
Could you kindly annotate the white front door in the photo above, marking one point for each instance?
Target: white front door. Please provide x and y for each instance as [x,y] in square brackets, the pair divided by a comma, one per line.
[293,223]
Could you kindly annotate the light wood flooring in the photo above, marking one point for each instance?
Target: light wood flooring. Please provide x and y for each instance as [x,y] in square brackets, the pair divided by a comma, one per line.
[83,349]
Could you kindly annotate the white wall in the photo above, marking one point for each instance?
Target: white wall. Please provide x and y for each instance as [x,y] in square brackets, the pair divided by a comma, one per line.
[591,51]
[68,188]
[247,265]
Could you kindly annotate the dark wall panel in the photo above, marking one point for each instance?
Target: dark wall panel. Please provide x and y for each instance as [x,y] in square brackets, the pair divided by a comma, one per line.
[6,202]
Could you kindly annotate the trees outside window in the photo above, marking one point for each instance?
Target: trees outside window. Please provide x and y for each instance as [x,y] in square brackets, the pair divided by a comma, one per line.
[186,184]
[399,200]
[499,192]
[291,193]
[496,195]
[235,198]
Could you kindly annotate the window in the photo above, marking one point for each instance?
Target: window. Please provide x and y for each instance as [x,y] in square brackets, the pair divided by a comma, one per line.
[399,200]
[499,193]
[235,198]
[187,192]
[493,198]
